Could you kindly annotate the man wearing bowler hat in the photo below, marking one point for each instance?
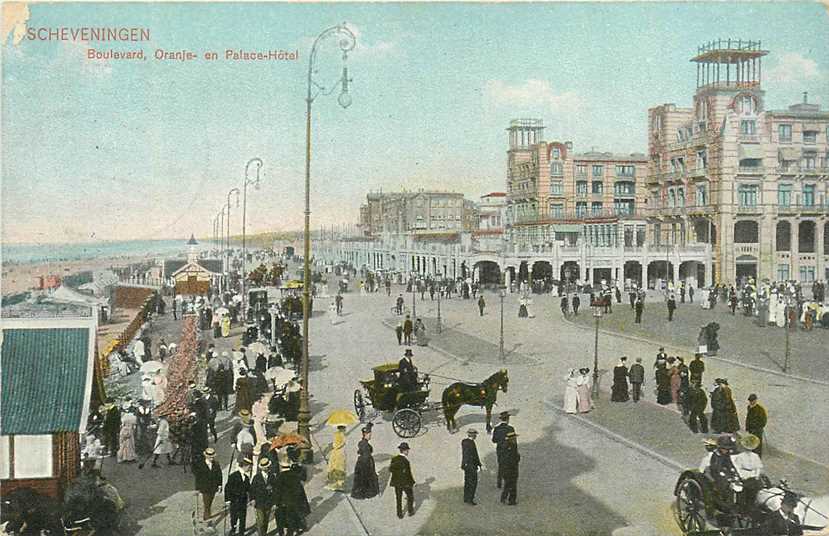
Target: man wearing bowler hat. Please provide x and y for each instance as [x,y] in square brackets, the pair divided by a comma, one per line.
[756,418]
[208,479]
[470,463]
[499,437]
[402,480]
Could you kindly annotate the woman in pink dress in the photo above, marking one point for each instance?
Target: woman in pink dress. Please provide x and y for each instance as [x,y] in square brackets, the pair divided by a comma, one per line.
[126,436]
[584,403]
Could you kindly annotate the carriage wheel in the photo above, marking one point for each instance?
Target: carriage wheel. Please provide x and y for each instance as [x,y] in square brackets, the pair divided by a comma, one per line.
[359,405]
[690,506]
[406,422]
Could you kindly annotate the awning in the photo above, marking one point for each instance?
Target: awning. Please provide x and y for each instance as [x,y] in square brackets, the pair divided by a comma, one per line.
[789,153]
[752,151]
[566,228]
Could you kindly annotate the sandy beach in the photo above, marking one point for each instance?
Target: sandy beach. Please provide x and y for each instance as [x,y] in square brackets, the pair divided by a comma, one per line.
[21,277]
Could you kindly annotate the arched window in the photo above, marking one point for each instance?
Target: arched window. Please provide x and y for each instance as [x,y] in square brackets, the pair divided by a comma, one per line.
[784,236]
[806,237]
[746,232]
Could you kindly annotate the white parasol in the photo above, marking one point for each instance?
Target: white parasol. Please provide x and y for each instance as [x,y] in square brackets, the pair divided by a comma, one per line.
[279,375]
[221,311]
[258,348]
[151,367]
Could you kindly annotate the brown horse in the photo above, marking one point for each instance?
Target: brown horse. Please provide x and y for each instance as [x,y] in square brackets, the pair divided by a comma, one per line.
[482,394]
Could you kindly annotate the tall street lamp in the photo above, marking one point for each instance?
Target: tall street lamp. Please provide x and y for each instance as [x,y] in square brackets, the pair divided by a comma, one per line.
[254,182]
[597,314]
[502,294]
[227,253]
[437,279]
[346,42]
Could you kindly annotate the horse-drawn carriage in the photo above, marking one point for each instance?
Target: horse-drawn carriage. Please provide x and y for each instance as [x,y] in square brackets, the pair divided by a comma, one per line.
[705,506]
[408,403]
[385,393]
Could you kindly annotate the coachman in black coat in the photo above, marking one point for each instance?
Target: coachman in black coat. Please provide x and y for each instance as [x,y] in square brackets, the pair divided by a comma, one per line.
[470,463]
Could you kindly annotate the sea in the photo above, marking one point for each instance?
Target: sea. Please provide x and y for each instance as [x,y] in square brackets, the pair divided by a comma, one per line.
[39,253]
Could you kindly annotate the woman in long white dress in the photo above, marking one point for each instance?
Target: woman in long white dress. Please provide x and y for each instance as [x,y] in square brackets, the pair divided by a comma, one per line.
[160,391]
[571,395]
[585,404]
[126,436]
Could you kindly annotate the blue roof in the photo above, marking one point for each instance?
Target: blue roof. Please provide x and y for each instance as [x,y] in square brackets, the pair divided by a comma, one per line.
[44,377]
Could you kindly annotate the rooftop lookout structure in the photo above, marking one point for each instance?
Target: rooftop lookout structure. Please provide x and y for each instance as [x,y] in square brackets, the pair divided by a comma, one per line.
[729,64]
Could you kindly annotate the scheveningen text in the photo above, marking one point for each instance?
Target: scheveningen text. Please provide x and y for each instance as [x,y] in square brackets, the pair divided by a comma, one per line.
[86,33]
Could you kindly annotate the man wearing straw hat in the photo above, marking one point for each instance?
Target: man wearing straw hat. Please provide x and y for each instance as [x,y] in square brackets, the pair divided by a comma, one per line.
[262,492]
[236,494]
[208,476]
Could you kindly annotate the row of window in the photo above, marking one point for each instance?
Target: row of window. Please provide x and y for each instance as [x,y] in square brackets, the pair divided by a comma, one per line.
[807,273]
[748,195]
[622,170]
[784,134]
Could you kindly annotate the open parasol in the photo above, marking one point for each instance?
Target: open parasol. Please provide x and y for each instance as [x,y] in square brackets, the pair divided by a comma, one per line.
[341,417]
[151,367]
[258,348]
[221,311]
[279,375]
[287,439]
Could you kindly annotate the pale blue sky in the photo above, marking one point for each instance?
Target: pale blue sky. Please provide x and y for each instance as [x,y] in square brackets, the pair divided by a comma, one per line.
[119,150]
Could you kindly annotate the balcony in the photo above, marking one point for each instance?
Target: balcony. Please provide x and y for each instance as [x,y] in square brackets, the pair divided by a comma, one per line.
[747,249]
[697,173]
[749,138]
[749,209]
[753,170]
[578,215]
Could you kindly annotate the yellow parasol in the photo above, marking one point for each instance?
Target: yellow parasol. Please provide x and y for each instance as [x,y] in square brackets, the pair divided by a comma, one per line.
[341,417]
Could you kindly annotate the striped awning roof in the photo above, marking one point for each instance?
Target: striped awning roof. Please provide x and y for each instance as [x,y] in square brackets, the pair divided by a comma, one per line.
[45,375]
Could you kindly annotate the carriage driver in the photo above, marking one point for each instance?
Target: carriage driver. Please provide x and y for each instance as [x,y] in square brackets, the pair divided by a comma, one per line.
[407,372]
[722,466]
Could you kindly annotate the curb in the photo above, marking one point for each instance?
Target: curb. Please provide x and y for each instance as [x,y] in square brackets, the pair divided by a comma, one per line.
[618,438]
[692,351]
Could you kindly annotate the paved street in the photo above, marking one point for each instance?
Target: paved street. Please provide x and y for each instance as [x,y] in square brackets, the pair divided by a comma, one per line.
[579,475]
[741,339]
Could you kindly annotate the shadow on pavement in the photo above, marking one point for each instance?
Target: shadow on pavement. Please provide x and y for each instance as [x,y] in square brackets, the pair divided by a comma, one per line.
[550,501]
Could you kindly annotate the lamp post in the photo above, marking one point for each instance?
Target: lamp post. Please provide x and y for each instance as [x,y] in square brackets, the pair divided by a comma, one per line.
[346,43]
[597,314]
[414,302]
[253,182]
[273,310]
[227,254]
[786,311]
[438,277]
[221,244]
[503,294]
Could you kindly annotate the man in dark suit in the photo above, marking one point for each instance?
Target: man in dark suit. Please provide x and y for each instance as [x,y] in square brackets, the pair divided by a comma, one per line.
[208,478]
[236,494]
[212,402]
[499,437]
[510,460]
[470,463]
[576,301]
[407,372]
[262,488]
[408,327]
[402,480]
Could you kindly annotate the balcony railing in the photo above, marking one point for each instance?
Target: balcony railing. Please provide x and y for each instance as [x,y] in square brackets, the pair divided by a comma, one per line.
[578,215]
[751,170]
[749,138]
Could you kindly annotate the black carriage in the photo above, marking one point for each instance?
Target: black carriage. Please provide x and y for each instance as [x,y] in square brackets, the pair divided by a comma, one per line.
[704,507]
[384,393]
